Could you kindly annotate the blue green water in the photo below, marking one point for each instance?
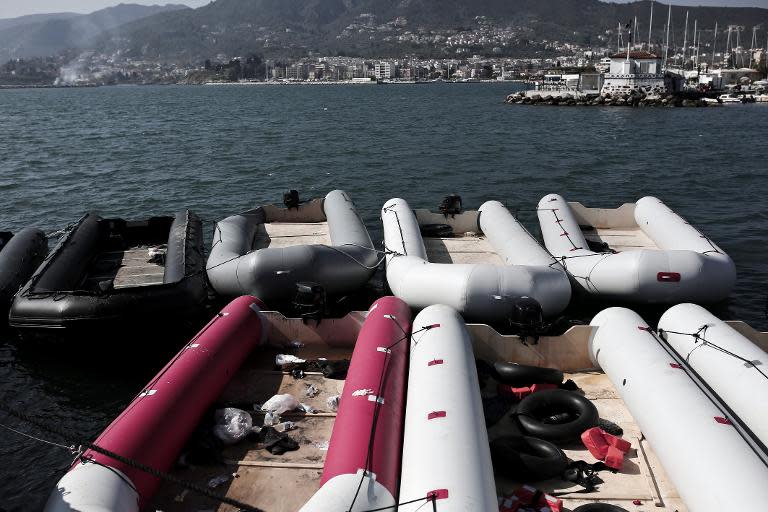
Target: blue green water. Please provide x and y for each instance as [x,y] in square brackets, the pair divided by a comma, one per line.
[137,151]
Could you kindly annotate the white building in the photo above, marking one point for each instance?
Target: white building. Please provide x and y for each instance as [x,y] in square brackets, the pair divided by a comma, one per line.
[382,71]
[634,71]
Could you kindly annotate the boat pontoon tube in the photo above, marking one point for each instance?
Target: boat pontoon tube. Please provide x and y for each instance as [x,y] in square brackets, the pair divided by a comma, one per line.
[710,464]
[20,255]
[376,379]
[718,353]
[154,427]
[688,266]
[445,450]
[482,290]
[235,268]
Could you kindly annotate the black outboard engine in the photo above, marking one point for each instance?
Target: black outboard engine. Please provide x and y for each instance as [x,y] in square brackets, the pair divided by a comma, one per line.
[451,205]
[310,301]
[291,199]
[526,318]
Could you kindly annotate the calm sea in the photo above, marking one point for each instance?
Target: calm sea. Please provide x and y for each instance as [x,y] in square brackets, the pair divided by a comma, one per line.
[137,151]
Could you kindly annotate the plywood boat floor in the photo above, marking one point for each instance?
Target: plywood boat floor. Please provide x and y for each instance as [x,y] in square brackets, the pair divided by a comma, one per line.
[292,477]
[129,268]
[642,477]
[461,249]
[286,234]
[620,239]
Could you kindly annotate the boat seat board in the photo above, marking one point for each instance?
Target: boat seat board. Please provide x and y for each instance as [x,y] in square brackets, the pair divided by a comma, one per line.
[620,239]
[129,268]
[461,249]
[287,234]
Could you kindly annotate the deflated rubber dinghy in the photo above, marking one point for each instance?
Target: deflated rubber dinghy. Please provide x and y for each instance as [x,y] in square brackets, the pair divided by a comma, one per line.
[482,262]
[266,251]
[20,255]
[712,465]
[446,455]
[366,444]
[642,252]
[735,368]
[116,270]
[154,427]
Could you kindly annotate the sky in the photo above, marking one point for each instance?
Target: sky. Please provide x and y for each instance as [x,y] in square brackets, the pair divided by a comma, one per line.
[13,8]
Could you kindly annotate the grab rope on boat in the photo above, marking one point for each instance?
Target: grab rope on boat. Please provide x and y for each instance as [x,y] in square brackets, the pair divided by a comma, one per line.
[698,336]
[79,448]
[757,446]
[376,409]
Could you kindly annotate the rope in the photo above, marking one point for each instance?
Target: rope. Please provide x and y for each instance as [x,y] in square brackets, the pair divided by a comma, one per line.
[377,409]
[112,455]
[699,336]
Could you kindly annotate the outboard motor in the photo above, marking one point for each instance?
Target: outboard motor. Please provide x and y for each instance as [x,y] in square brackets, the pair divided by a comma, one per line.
[291,199]
[310,301]
[526,318]
[451,205]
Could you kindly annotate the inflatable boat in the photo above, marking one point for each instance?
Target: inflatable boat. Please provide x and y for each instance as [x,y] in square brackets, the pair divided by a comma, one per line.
[328,465]
[711,463]
[265,252]
[366,443]
[640,253]
[732,365]
[20,255]
[479,264]
[114,270]
[154,427]
[446,458]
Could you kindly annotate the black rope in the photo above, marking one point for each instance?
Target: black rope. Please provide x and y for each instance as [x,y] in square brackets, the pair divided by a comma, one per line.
[125,460]
[699,336]
[377,407]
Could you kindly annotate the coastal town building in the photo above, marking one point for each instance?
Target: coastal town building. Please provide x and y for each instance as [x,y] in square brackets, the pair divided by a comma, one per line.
[383,71]
[634,71]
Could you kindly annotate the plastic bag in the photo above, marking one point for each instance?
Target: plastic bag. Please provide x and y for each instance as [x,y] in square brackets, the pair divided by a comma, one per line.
[281,359]
[280,404]
[232,425]
[333,402]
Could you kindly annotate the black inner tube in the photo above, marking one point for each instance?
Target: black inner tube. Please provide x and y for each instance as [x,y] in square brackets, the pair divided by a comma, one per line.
[520,375]
[556,415]
[599,507]
[527,459]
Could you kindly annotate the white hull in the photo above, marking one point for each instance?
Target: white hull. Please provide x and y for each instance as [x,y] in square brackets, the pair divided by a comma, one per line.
[709,463]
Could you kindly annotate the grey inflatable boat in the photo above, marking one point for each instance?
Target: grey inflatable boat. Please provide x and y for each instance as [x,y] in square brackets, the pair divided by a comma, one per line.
[265,252]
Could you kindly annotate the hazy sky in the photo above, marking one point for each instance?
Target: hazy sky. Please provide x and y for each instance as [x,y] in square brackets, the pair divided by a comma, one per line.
[13,8]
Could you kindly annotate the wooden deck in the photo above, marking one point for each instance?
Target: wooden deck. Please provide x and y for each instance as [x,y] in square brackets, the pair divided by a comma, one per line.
[284,483]
[466,248]
[286,234]
[620,239]
[125,269]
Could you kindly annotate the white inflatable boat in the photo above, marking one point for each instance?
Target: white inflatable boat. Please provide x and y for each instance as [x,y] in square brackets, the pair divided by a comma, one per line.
[486,261]
[733,366]
[641,253]
[712,465]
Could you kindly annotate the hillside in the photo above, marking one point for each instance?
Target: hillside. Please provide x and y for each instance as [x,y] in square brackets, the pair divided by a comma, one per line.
[282,28]
[48,34]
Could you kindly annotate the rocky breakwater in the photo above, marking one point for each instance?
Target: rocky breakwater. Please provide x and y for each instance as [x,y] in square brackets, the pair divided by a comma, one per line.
[632,99]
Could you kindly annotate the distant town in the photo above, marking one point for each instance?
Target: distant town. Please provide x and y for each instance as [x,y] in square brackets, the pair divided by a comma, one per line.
[706,53]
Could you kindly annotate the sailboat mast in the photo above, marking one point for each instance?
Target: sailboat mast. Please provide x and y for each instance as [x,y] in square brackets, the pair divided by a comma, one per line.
[685,38]
[634,33]
[650,27]
[666,46]
[696,41]
[714,43]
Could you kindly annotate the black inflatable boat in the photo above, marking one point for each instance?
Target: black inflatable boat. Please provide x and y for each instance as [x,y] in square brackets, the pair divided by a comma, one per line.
[20,255]
[130,272]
